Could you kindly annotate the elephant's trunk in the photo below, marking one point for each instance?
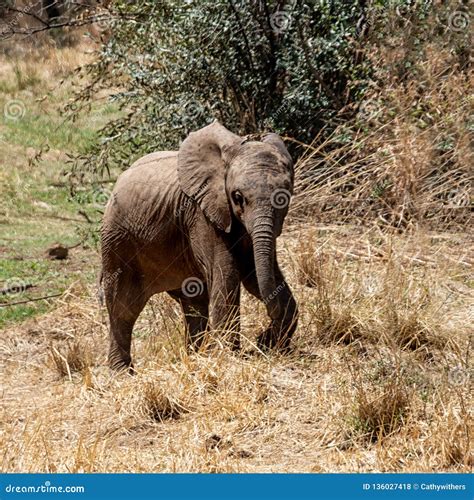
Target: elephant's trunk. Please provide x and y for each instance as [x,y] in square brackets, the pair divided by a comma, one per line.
[263,238]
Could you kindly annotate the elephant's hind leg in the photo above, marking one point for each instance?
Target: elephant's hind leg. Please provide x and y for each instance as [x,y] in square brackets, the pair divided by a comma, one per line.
[196,315]
[125,299]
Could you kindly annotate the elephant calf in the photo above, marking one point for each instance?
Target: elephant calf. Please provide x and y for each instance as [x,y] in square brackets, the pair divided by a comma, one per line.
[197,223]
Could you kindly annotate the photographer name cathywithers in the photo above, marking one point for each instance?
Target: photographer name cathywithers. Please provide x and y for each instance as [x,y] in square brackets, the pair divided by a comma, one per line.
[414,486]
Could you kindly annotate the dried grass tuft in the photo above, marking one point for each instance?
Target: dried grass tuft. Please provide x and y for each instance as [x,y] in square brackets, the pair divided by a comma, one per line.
[159,405]
[406,158]
[378,416]
[76,357]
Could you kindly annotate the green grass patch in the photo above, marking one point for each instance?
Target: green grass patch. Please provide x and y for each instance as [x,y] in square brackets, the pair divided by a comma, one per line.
[36,209]
[18,313]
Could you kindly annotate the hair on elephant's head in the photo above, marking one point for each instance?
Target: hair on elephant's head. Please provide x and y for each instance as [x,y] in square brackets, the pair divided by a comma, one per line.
[233,178]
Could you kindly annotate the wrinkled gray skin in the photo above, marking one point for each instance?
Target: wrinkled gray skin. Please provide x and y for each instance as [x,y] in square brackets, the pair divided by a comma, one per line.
[203,215]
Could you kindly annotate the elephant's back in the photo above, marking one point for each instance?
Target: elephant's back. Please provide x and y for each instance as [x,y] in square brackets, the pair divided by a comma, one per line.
[146,196]
[155,158]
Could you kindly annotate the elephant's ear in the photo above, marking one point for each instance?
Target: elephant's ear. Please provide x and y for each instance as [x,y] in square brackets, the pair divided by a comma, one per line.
[276,141]
[202,160]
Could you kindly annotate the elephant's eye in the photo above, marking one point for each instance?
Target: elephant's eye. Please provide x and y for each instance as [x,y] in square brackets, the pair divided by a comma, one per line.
[237,198]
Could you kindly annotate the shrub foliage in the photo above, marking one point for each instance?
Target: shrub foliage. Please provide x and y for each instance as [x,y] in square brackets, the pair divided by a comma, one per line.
[255,65]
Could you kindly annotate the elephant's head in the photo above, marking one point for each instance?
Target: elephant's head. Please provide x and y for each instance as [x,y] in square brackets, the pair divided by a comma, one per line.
[252,180]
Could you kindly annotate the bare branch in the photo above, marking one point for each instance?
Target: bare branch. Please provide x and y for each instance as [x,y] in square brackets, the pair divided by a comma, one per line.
[31,300]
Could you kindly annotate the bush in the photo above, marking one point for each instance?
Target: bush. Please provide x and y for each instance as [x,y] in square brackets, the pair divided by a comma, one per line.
[288,66]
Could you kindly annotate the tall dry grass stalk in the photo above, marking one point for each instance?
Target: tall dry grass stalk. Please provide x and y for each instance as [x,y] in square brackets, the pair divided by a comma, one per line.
[407,157]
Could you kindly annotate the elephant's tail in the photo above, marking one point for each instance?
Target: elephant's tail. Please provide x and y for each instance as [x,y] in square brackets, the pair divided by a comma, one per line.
[100,289]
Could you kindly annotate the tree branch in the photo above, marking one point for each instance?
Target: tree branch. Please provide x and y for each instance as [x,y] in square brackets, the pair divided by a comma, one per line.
[31,300]
[244,35]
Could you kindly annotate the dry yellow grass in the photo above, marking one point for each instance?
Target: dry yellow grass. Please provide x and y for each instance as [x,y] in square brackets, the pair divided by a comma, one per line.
[406,158]
[31,64]
[356,394]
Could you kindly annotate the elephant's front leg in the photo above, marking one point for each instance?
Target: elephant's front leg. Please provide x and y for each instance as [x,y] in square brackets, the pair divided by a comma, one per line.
[224,301]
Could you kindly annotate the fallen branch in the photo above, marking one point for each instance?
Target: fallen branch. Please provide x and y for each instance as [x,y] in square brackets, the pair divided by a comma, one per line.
[31,300]
[46,216]
[58,217]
